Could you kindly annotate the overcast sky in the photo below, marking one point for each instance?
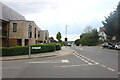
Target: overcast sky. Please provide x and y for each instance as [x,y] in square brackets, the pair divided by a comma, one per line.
[54,15]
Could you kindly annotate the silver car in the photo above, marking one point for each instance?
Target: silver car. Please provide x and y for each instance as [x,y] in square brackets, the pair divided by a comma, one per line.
[117,46]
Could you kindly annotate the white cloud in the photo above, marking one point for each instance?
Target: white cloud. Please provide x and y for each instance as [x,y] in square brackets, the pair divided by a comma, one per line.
[55,14]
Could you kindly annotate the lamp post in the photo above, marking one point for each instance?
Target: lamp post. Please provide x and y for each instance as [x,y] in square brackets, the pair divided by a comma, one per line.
[66,35]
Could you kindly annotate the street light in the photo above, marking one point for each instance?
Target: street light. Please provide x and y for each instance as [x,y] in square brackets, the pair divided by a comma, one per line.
[66,39]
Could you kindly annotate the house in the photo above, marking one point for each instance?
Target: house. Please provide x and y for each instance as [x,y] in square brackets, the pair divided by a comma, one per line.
[17,31]
[102,35]
[6,15]
[51,39]
[44,36]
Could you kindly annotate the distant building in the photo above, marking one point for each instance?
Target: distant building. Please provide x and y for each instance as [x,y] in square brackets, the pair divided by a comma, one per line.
[44,36]
[102,35]
[51,39]
[16,31]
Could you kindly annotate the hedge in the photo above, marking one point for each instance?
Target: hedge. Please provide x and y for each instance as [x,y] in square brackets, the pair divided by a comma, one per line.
[58,46]
[24,50]
[14,51]
[44,48]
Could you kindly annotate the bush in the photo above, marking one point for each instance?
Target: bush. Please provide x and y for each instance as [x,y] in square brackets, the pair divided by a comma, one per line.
[14,51]
[57,45]
[24,50]
[44,48]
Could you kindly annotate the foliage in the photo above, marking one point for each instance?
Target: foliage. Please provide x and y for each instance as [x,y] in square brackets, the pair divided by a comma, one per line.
[58,37]
[89,39]
[24,50]
[44,48]
[87,29]
[112,27]
[77,42]
[14,51]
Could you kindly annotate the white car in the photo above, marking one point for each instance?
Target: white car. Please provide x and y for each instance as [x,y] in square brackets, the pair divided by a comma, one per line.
[117,46]
[69,44]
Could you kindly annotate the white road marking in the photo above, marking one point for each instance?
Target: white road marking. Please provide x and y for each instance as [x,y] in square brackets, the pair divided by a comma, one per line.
[64,61]
[92,60]
[86,61]
[52,61]
[83,59]
[111,69]
[87,58]
[103,66]
[90,63]
[118,72]
[97,63]
[74,65]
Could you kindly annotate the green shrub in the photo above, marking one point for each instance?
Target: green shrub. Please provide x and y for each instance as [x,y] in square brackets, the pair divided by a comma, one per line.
[14,51]
[44,48]
[24,50]
[57,45]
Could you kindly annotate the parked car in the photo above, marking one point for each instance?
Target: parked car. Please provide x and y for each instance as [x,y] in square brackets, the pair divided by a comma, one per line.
[69,44]
[117,46]
[108,45]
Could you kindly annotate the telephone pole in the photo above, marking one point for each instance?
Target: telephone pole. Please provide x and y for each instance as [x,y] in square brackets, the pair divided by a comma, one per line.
[66,39]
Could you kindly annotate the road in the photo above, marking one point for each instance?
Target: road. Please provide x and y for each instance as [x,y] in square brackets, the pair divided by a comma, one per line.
[84,62]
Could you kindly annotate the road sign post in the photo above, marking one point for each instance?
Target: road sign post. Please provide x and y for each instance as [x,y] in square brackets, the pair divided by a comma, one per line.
[29,52]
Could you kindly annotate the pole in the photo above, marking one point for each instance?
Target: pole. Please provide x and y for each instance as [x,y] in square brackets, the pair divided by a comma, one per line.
[29,52]
[66,35]
[66,31]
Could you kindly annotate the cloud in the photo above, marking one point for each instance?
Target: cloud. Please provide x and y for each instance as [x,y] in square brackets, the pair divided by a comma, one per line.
[54,15]
[31,7]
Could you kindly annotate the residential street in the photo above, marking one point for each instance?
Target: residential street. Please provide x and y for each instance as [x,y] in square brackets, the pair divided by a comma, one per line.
[82,62]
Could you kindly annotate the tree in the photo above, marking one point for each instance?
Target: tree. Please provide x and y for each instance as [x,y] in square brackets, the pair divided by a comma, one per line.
[87,29]
[112,25]
[89,39]
[118,30]
[77,42]
[58,37]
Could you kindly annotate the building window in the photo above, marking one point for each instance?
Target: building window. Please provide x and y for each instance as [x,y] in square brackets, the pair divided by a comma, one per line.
[35,33]
[30,31]
[14,27]
[38,33]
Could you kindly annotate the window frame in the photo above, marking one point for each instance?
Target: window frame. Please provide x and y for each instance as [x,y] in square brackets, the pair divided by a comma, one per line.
[14,27]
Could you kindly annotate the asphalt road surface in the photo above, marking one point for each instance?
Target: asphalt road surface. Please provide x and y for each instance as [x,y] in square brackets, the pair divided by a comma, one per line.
[84,62]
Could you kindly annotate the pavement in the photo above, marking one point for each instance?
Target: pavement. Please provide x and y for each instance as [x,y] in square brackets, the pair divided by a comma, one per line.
[64,51]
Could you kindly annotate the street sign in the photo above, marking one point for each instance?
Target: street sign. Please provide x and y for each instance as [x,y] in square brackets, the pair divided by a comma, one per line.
[36,47]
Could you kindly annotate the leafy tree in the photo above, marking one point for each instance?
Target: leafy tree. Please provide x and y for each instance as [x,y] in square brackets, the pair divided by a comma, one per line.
[87,29]
[58,37]
[77,42]
[118,30]
[112,25]
[89,39]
